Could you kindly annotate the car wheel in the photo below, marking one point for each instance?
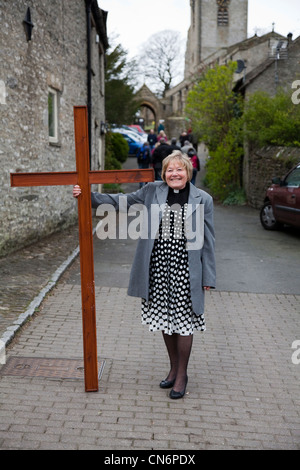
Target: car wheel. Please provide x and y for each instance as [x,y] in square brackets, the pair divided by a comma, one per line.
[267,218]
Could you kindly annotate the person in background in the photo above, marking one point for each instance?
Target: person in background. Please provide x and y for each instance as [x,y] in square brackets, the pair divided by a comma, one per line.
[152,139]
[161,126]
[160,152]
[162,135]
[187,145]
[174,145]
[195,162]
[144,158]
[182,138]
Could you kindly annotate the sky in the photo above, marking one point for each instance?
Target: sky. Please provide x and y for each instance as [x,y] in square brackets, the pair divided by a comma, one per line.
[134,21]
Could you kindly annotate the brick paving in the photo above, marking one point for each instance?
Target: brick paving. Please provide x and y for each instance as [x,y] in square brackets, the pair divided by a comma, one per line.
[26,272]
[243,390]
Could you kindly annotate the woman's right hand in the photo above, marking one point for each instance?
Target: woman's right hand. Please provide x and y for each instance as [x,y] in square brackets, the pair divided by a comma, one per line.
[76,191]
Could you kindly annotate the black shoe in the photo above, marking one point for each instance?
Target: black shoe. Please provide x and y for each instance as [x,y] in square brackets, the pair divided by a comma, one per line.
[167,383]
[175,395]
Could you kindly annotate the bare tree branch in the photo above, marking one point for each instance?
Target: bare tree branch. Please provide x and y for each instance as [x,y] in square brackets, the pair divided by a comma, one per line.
[161,60]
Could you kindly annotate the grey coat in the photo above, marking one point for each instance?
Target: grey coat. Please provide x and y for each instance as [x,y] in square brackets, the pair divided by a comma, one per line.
[199,233]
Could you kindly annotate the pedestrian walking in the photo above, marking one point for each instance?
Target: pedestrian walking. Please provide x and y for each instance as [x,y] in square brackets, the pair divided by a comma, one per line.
[195,162]
[182,138]
[159,153]
[162,135]
[174,145]
[169,273]
[187,145]
[144,158]
[161,126]
[152,138]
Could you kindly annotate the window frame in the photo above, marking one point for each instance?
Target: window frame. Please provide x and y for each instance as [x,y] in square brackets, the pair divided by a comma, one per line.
[53,139]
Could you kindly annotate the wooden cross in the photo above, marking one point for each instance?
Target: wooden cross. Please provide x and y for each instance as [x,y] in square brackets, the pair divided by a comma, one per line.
[84,178]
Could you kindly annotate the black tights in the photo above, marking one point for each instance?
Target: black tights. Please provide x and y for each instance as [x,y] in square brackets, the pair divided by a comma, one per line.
[179,350]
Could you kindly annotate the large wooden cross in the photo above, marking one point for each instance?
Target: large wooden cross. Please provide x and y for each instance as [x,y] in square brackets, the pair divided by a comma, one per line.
[84,178]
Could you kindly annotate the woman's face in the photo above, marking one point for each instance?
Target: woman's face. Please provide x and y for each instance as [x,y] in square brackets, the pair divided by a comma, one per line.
[176,175]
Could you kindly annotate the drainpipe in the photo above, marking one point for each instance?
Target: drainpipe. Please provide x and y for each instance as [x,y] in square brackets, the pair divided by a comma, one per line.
[89,73]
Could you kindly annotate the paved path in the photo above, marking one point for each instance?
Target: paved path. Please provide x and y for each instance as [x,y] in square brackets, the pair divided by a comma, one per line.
[243,390]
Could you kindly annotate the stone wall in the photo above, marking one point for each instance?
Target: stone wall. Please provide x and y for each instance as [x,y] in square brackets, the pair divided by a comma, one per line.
[263,165]
[56,57]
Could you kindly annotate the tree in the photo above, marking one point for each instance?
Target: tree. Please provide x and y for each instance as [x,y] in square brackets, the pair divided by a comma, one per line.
[215,112]
[272,120]
[212,105]
[161,60]
[120,105]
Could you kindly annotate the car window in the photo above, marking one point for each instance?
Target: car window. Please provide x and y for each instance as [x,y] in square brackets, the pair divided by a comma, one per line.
[293,179]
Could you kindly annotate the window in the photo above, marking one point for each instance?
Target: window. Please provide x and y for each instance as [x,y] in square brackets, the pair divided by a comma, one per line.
[2,92]
[293,179]
[223,16]
[53,115]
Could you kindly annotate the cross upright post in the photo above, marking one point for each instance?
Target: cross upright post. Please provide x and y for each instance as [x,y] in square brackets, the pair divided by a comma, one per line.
[84,177]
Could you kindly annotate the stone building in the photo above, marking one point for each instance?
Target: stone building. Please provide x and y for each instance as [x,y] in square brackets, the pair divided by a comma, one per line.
[278,67]
[51,59]
[217,35]
[215,26]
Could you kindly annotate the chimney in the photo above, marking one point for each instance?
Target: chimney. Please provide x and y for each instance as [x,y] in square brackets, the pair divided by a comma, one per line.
[290,37]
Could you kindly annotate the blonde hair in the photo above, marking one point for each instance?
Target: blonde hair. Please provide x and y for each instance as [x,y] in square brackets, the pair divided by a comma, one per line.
[180,157]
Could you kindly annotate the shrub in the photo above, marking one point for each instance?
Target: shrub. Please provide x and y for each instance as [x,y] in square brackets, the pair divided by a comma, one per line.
[116,151]
[223,167]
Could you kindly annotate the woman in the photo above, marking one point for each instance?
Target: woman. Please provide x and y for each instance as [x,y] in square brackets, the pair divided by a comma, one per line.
[174,263]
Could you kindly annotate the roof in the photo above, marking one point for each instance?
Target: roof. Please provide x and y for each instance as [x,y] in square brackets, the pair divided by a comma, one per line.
[251,76]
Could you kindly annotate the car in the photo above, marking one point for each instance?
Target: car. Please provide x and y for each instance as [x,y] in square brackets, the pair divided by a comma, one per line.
[143,135]
[134,142]
[282,202]
[122,130]
[138,128]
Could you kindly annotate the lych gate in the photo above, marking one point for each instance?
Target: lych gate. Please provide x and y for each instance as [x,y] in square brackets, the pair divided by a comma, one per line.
[150,106]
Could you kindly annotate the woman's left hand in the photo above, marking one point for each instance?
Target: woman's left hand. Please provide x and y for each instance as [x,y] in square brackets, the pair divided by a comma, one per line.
[206,287]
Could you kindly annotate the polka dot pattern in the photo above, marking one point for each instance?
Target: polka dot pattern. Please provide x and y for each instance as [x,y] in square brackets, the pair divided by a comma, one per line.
[169,308]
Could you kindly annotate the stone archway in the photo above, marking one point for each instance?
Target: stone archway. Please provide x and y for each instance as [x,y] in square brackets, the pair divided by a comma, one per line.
[150,102]
[148,115]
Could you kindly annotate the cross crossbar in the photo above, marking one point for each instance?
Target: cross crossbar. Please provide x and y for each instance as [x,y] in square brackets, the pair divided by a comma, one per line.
[71,177]
[84,178]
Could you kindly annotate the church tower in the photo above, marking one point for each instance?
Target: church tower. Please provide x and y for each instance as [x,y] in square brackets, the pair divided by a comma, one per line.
[214,24]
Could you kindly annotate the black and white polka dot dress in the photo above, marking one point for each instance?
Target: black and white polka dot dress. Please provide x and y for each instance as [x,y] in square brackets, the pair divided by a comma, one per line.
[169,308]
